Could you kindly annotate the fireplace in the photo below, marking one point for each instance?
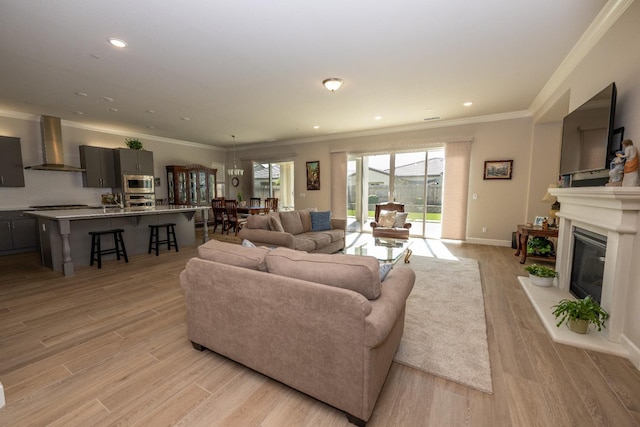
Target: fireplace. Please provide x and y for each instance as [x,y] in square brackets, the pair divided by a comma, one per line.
[587,268]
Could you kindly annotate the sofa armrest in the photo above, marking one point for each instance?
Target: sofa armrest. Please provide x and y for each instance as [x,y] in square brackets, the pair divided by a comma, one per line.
[339,223]
[267,237]
[386,309]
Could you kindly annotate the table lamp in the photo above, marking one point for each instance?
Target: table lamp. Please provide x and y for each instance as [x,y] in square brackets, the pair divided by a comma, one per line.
[555,206]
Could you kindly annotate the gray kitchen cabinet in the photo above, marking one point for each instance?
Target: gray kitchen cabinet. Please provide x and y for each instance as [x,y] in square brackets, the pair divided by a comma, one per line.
[18,232]
[139,162]
[11,169]
[99,167]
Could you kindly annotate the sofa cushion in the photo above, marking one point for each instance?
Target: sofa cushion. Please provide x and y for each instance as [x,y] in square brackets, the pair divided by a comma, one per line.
[320,221]
[275,224]
[305,217]
[335,234]
[232,254]
[357,273]
[291,222]
[386,218]
[320,239]
[258,221]
[302,243]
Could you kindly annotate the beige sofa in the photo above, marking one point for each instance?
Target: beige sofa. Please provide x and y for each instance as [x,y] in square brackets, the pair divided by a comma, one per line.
[293,229]
[322,324]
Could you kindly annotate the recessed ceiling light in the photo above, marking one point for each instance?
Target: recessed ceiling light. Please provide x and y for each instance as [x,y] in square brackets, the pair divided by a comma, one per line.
[377,118]
[150,111]
[114,110]
[79,113]
[468,104]
[186,119]
[81,94]
[94,56]
[106,98]
[151,126]
[316,127]
[117,42]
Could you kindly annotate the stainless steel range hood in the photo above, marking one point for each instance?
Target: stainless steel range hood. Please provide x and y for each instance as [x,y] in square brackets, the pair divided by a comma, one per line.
[52,150]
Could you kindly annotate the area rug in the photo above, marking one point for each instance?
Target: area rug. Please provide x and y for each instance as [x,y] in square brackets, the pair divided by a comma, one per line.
[445,331]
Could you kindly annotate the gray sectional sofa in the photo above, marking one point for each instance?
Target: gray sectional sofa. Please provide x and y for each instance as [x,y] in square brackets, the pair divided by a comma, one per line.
[294,230]
[322,324]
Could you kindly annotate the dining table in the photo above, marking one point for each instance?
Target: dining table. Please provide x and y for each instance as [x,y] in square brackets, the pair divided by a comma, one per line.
[251,210]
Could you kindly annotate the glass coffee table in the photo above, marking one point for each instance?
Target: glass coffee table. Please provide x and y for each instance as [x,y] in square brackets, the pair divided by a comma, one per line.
[386,250]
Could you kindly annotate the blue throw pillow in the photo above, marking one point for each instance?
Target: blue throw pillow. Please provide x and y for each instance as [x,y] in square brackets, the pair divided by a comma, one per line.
[320,221]
[384,270]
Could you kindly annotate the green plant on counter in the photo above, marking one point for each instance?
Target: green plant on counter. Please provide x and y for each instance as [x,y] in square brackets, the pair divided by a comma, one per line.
[541,270]
[239,196]
[133,143]
[539,246]
[586,309]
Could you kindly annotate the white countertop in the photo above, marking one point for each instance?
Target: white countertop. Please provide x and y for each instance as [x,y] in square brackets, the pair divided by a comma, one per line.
[93,213]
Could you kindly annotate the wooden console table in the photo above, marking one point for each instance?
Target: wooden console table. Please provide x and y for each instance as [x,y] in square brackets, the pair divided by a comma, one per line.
[522,237]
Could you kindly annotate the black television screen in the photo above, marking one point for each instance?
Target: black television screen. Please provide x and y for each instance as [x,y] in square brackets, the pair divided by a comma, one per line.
[587,134]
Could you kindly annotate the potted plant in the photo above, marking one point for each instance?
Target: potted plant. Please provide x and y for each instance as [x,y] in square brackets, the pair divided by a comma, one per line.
[541,275]
[133,143]
[580,313]
[540,246]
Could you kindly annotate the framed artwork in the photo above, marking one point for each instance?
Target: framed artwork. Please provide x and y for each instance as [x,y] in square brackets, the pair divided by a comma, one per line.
[498,169]
[313,175]
[539,220]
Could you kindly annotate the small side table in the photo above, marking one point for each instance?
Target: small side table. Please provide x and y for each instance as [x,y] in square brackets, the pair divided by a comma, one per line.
[522,237]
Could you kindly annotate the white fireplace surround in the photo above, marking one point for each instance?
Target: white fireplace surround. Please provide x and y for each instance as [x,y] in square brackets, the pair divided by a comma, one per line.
[613,212]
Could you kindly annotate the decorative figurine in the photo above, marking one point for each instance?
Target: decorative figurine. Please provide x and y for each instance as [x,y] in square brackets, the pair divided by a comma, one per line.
[630,156]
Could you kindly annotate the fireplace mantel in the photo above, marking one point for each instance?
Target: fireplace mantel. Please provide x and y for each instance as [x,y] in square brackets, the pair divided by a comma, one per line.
[613,212]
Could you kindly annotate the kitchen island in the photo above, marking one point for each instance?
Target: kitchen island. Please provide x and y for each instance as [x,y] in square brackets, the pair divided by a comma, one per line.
[65,242]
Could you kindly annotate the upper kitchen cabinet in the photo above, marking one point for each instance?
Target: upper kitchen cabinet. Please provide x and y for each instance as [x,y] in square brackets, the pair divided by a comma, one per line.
[128,161]
[99,167]
[11,169]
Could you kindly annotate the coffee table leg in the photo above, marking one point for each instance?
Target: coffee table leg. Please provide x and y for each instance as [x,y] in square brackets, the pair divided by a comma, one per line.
[407,255]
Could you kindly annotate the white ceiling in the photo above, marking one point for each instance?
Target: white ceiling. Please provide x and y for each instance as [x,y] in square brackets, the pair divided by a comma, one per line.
[254,68]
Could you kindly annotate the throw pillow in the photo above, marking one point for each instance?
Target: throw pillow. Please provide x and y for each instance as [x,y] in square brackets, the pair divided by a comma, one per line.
[384,270]
[386,218]
[247,244]
[401,218]
[275,224]
[320,221]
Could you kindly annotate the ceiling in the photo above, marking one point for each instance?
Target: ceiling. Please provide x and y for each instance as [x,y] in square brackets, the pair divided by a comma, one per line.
[202,70]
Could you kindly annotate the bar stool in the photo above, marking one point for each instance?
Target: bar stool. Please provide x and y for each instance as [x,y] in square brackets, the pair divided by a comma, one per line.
[96,246]
[154,237]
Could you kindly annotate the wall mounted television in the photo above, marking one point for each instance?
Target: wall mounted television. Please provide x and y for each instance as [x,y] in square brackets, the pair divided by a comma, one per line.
[587,134]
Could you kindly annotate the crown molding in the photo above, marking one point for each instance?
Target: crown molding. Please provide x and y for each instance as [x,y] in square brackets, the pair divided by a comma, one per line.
[592,35]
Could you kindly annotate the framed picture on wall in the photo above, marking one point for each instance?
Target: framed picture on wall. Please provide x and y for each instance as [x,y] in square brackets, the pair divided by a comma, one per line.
[313,175]
[498,169]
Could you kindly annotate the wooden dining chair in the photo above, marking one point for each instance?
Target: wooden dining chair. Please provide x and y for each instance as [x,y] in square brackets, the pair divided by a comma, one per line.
[231,209]
[270,204]
[219,214]
[254,201]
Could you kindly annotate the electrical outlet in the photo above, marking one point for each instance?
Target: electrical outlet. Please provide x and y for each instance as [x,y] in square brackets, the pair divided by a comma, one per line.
[302,194]
[484,229]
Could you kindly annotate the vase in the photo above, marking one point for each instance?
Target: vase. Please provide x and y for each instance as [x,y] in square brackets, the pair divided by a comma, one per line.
[540,281]
[579,326]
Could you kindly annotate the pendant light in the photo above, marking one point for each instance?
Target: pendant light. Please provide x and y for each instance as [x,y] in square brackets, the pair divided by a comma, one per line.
[235,171]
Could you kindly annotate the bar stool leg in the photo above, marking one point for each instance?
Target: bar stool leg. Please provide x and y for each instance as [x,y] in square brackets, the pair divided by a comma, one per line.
[122,248]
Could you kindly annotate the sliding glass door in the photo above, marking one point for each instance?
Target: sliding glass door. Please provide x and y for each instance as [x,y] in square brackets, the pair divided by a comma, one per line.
[411,178]
[274,180]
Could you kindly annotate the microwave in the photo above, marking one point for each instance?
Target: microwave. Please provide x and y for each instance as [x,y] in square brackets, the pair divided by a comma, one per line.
[137,184]
[140,201]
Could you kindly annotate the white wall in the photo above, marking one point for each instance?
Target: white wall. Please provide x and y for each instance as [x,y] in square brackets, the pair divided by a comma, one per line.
[51,187]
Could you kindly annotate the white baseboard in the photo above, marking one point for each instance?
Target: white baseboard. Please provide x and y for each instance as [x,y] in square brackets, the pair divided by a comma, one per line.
[490,242]
[634,351]
[2,401]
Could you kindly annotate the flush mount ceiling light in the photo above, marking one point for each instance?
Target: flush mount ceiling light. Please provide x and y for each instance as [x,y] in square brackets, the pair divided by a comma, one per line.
[235,171]
[117,42]
[332,84]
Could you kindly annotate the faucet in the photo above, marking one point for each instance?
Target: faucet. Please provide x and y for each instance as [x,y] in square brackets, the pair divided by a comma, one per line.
[118,199]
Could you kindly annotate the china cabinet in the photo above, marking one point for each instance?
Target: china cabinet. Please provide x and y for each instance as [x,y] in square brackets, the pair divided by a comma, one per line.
[191,185]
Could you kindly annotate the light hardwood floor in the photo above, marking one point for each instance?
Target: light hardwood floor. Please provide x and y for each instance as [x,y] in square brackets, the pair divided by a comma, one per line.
[109,347]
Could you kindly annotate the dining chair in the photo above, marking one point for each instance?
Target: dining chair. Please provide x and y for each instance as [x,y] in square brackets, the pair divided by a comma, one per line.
[254,201]
[270,204]
[219,214]
[231,209]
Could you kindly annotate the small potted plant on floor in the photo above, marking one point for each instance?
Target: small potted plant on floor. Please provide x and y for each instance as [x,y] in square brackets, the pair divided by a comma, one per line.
[580,313]
[540,275]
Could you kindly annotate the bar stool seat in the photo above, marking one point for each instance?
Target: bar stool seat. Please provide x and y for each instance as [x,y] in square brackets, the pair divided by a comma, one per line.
[96,245]
[154,237]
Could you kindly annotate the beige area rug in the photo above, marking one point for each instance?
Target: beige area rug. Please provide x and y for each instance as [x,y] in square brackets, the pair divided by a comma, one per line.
[445,331]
